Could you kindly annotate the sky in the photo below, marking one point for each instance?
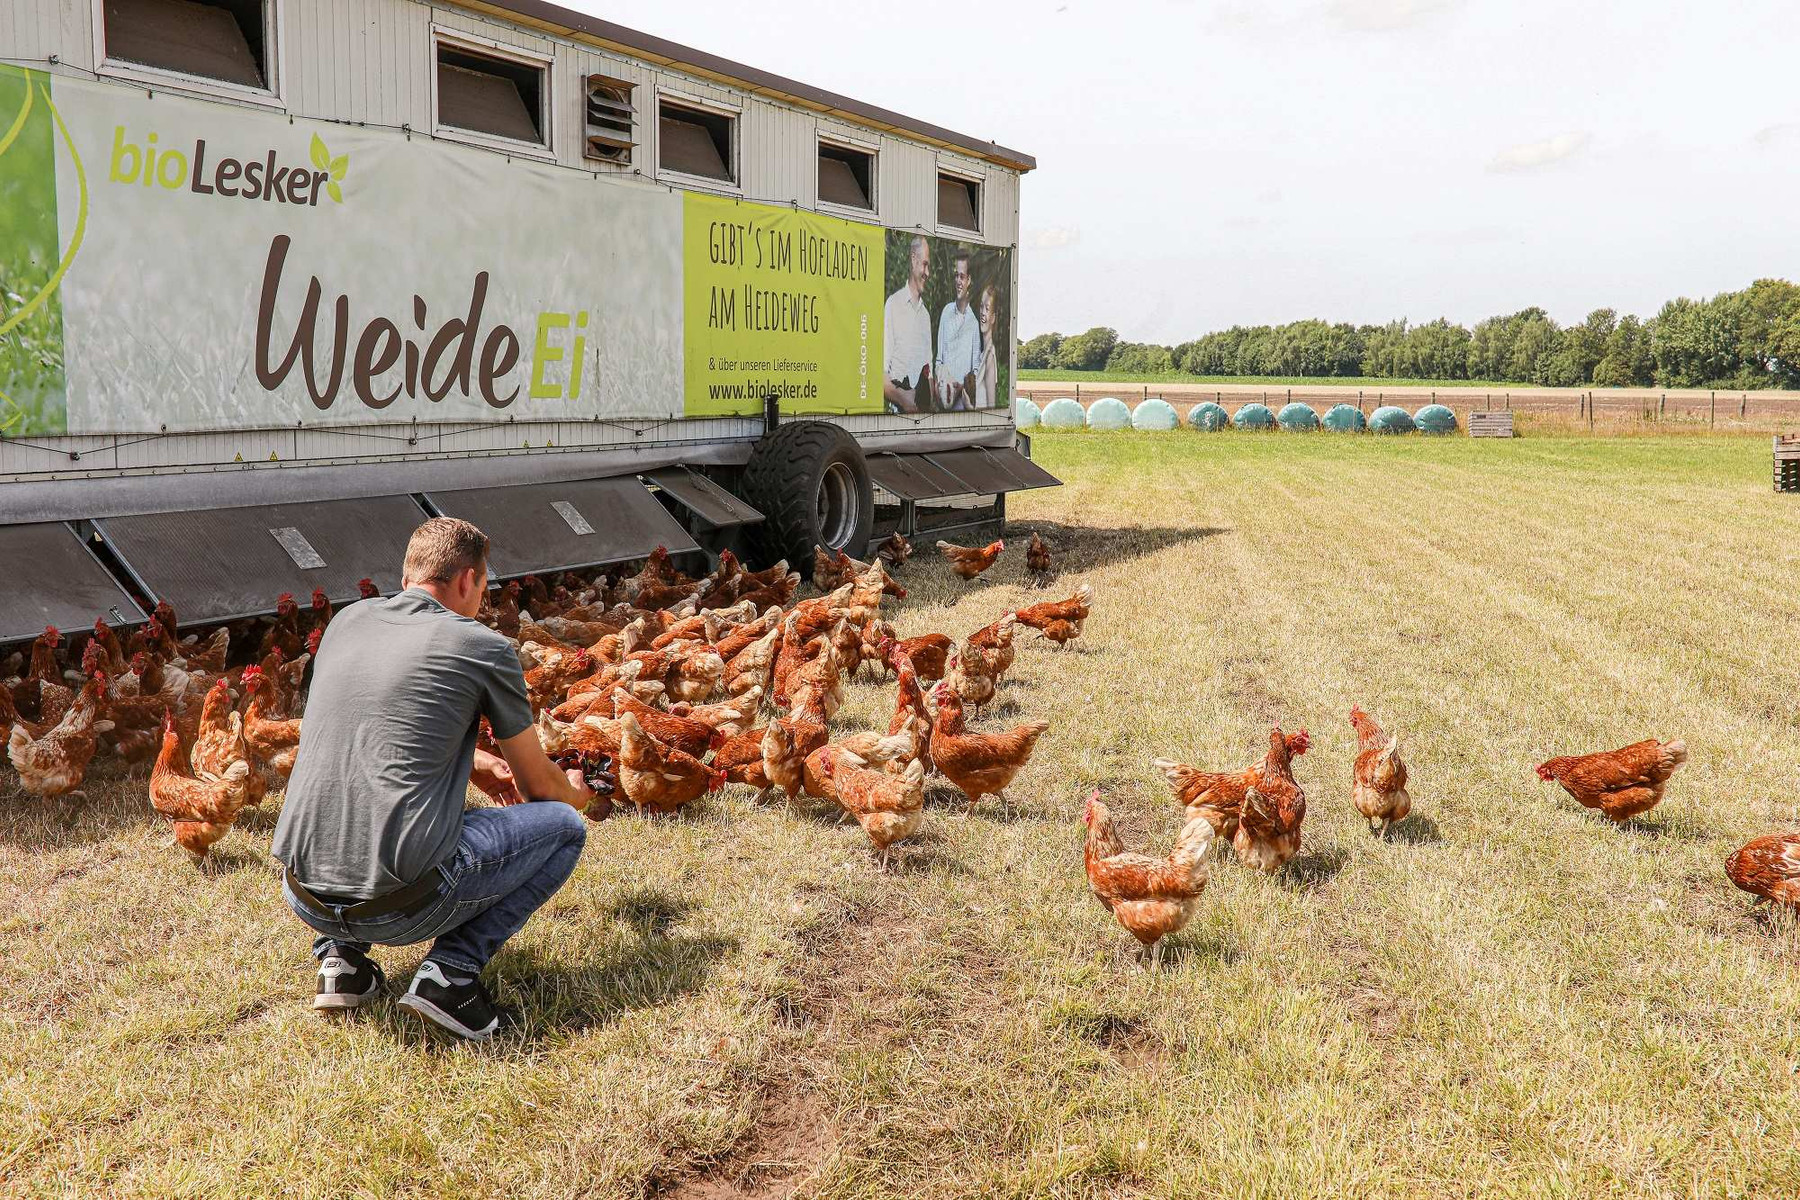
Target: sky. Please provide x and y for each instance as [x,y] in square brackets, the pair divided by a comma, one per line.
[1218,162]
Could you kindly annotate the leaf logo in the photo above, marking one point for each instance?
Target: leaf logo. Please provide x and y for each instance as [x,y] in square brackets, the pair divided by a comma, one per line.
[337,167]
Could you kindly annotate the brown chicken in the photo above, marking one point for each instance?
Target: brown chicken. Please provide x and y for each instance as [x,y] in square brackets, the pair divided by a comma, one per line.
[894,551]
[1620,783]
[832,569]
[273,743]
[1037,559]
[657,778]
[980,764]
[995,645]
[1060,620]
[201,805]
[56,763]
[367,590]
[929,654]
[219,742]
[971,677]
[1378,778]
[695,676]
[1151,897]
[285,631]
[970,561]
[1219,795]
[45,669]
[869,749]
[1268,832]
[890,808]
[209,656]
[778,594]
[1768,868]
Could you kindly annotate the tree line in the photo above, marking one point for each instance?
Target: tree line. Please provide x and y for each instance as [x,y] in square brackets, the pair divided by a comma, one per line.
[1745,339]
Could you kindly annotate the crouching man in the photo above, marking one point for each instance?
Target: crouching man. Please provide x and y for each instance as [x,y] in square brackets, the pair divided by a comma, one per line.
[376,845]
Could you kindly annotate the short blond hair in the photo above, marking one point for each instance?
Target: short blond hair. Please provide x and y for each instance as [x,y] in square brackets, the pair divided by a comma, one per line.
[442,548]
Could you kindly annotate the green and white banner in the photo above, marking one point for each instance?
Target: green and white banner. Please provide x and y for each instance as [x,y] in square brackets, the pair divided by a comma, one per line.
[183,264]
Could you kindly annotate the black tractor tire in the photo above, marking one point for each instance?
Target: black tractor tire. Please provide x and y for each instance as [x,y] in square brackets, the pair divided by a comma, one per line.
[810,482]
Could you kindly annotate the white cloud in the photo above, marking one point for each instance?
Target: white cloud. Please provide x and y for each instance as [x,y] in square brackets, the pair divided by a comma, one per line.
[1052,237]
[1528,156]
[1380,16]
[1777,135]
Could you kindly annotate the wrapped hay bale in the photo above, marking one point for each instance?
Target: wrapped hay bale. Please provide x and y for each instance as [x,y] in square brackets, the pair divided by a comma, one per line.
[1254,416]
[1391,419]
[1435,418]
[1344,418]
[1107,414]
[1157,415]
[1063,413]
[1208,417]
[1297,418]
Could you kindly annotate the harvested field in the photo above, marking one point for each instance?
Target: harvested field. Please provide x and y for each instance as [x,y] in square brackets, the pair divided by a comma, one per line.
[1509,997]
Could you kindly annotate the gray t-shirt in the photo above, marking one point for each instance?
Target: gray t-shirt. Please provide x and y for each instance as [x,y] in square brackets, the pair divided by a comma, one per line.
[398,688]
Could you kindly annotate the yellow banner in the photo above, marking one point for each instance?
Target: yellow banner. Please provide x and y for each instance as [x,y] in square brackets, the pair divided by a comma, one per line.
[780,301]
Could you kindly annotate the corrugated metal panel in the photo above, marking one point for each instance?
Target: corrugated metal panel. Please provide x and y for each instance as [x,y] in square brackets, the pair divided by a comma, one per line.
[542,527]
[222,563]
[52,578]
[989,472]
[704,498]
[914,477]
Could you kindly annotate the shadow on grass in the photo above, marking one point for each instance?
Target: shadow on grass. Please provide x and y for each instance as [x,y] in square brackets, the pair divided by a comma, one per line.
[1673,831]
[650,965]
[1313,869]
[1210,946]
[1416,830]
[1078,548]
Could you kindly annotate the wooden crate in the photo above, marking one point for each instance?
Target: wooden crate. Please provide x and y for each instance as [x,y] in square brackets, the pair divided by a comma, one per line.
[1787,464]
[1491,424]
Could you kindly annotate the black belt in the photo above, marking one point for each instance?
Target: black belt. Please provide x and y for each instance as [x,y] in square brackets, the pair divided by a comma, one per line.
[408,901]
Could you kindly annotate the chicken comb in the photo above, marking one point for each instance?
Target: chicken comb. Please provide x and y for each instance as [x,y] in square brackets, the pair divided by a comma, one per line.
[53,633]
[284,598]
[320,599]
[312,641]
[252,675]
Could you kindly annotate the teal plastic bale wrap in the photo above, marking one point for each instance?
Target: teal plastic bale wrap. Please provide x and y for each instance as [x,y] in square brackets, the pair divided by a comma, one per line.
[1108,414]
[1345,418]
[1254,416]
[1435,418]
[1390,419]
[1297,418]
[1026,414]
[1208,417]
[1158,416]
[1063,413]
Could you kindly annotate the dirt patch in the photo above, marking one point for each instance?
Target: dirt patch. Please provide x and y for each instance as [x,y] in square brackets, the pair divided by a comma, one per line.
[791,1137]
[847,953]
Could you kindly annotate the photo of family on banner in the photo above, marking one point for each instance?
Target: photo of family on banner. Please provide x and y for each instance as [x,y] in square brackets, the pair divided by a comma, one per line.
[948,333]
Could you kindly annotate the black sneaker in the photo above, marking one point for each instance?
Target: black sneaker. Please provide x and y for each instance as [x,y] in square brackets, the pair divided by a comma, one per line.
[462,1008]
[348,979]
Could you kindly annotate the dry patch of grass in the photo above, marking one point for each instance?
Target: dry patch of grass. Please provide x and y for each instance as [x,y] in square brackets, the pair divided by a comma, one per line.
[1508,997]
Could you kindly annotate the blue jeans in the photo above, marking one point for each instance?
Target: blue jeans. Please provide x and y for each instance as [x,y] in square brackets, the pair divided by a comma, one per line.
[507,864]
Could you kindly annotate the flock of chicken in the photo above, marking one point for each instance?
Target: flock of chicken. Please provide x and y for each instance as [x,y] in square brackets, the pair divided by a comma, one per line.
[663,687]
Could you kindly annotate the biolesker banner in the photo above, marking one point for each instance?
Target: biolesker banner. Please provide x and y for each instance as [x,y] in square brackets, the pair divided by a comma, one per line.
[167,262]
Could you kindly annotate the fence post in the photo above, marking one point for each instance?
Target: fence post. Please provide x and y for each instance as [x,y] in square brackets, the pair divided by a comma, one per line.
[1359,400]
[1509,402]
[1712,410]
[1743,399]
[1662,406]
[1590,412]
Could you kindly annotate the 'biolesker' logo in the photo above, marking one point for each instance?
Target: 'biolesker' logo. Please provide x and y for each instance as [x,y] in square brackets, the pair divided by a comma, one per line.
[267,178]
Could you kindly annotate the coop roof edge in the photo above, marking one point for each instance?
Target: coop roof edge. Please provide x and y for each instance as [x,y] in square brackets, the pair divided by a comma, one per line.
[610,36]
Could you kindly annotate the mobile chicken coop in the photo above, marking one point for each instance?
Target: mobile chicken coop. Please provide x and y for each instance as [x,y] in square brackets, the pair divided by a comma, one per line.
[280,278]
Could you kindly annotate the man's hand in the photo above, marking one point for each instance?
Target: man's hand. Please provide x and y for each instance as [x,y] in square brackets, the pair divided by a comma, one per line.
[535,777]
[492,775]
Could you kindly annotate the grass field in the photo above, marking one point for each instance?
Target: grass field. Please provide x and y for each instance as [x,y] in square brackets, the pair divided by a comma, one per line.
[1509,998]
